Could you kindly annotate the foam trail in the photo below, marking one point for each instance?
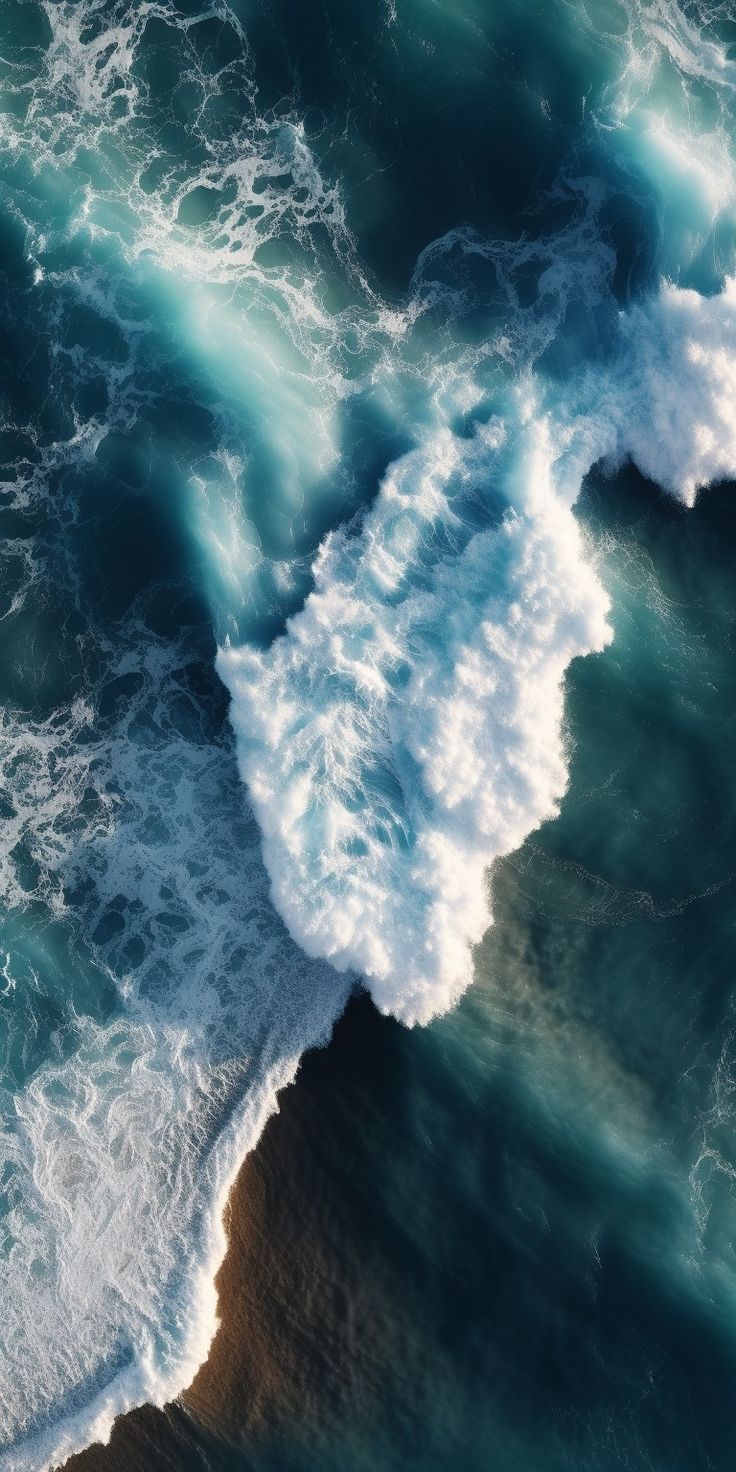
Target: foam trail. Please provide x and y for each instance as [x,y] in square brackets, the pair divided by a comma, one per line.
[392,741]
[118,1150]
[678,421]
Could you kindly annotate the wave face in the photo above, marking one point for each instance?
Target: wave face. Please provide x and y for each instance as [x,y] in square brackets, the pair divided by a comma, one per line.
[303,370]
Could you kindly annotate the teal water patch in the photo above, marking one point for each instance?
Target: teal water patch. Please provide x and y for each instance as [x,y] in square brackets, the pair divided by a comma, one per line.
[311,330]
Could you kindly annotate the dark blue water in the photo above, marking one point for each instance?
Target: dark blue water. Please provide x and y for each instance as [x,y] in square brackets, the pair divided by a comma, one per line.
[366,385]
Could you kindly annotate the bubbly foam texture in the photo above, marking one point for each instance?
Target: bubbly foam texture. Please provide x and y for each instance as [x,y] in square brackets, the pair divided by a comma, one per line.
[680,420]
[118,1152]
[406,729]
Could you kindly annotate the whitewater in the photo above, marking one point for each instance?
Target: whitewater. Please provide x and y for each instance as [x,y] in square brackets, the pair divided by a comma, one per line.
[365,530]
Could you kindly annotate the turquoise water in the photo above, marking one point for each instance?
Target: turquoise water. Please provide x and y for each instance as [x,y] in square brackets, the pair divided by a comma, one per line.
[363,373]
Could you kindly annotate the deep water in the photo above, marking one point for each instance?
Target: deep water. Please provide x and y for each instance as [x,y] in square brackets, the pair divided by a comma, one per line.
[367,410]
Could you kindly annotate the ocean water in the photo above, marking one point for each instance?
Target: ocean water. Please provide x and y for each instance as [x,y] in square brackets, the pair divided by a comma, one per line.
[368,412]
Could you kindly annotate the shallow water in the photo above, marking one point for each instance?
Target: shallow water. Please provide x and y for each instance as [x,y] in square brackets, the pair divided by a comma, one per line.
[368,366]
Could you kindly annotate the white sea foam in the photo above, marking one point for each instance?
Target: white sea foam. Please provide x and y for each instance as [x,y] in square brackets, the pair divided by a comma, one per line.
[679,422]
[408,729]
[118,1151]
[151,1008]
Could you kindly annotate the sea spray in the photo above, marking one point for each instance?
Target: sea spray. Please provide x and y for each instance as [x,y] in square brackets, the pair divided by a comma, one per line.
[409,727]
